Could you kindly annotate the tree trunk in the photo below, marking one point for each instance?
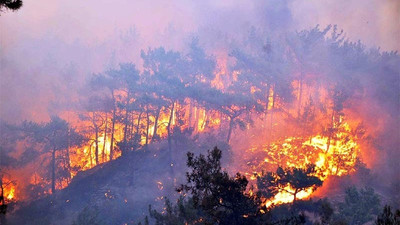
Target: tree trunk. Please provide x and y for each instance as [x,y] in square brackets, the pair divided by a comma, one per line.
[112,130]
[295,196]
[221,117]
[147,127]
[97,145]
[2,191]
[272,111]
[268,96]
[300,95]
[125,147]
[68,163]
[90,155]
[204,124]
[169,126]
[103,158]
[231,122]
[138,122]
[190,113]
[197,119]
[170,144]
[2,205]
[131,126]
[265,125]
[330,132]
[53,171]
[156,122]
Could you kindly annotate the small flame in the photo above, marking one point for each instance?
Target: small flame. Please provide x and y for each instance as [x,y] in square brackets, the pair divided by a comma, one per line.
[286,196]
[160,185]
[11,193]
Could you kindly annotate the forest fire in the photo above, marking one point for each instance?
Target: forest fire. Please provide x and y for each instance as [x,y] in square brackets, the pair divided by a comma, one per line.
[228,113]
[336,157]
[105,132]
[9,190]
[151,127]
[10,194]
[286,196]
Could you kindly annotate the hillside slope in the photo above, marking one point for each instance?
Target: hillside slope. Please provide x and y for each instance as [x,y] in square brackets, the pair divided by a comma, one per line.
[118,191]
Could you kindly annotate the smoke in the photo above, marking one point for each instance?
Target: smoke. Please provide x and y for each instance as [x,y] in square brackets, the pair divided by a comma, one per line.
[50,48]
[376,23]
[43,41]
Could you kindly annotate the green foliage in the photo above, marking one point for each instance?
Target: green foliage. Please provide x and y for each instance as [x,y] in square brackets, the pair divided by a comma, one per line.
[359,206]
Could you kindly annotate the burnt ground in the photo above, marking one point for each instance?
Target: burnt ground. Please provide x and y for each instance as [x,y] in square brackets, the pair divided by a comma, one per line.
[119,191]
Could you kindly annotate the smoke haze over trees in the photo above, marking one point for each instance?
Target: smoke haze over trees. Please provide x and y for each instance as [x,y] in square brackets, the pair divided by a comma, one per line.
[100,103]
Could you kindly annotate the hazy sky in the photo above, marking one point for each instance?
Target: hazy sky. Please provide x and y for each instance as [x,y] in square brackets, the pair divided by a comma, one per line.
[46,41]
[376,22]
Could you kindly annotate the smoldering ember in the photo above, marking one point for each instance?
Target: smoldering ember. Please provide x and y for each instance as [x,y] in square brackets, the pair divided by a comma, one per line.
[188,112]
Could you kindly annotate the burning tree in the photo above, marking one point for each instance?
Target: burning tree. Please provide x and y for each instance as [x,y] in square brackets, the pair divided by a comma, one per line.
[9,135]
[128,77]
[265,73]
[56,138]
[296,98]
[216,198]
[164,68]
[109,82]
[291,181]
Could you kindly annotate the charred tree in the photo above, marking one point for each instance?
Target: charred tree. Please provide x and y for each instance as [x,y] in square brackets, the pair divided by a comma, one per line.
[112,127]
[52,136]
[339,96]
[169,131]
[155,135]
[147,126]
[103,152]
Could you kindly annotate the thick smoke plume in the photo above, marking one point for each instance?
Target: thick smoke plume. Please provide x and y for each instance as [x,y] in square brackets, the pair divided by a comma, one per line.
[76,38]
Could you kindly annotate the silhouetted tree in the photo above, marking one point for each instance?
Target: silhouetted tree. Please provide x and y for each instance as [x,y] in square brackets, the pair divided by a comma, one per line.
[88,216]
[110,81]
[164,71]
[55,136]
[182,213]
[10,5]
[216,198]
[299,179]
[8,137]
[387,217]
[223,199]
[359,206]
[264,73]
[127,76]
[96,109]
